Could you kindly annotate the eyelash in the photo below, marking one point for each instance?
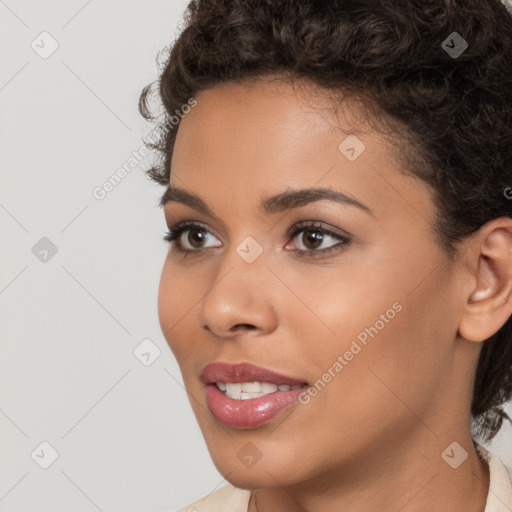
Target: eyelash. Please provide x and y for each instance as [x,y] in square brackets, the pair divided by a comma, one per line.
[175,232]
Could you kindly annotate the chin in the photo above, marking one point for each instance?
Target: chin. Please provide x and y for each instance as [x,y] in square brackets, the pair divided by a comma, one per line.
[243,466]
[254,479]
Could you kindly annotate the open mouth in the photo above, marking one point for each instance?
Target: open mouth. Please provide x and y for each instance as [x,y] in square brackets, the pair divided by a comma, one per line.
[247,396]
[248,390]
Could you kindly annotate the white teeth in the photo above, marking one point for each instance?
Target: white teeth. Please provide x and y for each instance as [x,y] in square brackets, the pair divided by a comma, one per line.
[251,387]
[247,390]
[268,387]
[235,387]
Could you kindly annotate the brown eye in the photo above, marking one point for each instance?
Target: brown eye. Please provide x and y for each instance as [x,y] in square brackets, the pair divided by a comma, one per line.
[196,236]
[189,237]
[315,240]
[193,237]
[312,238]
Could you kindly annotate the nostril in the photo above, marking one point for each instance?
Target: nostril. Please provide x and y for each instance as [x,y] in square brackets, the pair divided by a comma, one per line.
[238,327]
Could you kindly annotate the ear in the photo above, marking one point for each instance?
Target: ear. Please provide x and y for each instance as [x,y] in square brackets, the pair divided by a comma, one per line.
[489,303]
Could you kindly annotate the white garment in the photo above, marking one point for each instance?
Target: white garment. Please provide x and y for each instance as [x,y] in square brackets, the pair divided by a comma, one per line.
[233,499]
[508,4]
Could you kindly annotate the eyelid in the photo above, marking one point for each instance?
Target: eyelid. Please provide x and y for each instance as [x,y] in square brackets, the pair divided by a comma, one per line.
[188,215]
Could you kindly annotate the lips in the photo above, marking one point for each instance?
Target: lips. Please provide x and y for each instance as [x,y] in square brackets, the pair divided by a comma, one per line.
[253,410]
[242,372]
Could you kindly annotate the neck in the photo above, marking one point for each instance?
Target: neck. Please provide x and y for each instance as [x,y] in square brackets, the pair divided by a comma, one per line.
[404,474]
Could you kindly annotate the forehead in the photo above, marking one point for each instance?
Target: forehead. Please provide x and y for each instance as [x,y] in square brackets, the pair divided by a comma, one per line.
[246,141]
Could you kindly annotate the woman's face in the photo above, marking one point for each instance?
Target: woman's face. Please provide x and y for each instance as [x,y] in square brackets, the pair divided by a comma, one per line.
[372,317]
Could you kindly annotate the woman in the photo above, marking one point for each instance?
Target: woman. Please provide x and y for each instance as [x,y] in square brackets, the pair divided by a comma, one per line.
[338,286]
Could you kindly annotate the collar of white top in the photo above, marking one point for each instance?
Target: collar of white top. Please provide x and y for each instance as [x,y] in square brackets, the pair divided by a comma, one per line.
[508,4]
[499,497]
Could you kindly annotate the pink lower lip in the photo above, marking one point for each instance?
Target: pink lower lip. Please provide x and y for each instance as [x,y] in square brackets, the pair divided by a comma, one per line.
[251,412]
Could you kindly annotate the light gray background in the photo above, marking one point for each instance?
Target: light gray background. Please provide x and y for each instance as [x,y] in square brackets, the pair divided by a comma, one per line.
[124,432]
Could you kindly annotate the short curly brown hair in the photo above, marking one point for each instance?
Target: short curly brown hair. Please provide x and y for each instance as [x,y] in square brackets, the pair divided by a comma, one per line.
[454,111]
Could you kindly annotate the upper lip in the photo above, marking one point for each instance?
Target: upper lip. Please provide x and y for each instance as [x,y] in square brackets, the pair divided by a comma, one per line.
[243,372]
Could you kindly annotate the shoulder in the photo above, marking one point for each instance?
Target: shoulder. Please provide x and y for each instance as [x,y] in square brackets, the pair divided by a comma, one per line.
[227,499]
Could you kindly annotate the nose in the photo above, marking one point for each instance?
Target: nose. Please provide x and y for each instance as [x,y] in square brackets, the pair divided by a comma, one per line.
[239,300]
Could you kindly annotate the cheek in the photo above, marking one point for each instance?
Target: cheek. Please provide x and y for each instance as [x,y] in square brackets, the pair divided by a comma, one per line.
[402,366]
[175,300]
[391,329]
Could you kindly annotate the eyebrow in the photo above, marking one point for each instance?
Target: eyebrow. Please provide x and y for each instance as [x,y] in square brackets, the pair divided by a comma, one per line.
[270,205]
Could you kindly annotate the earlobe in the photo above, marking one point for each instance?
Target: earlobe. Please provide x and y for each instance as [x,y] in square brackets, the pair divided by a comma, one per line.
[489,304]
